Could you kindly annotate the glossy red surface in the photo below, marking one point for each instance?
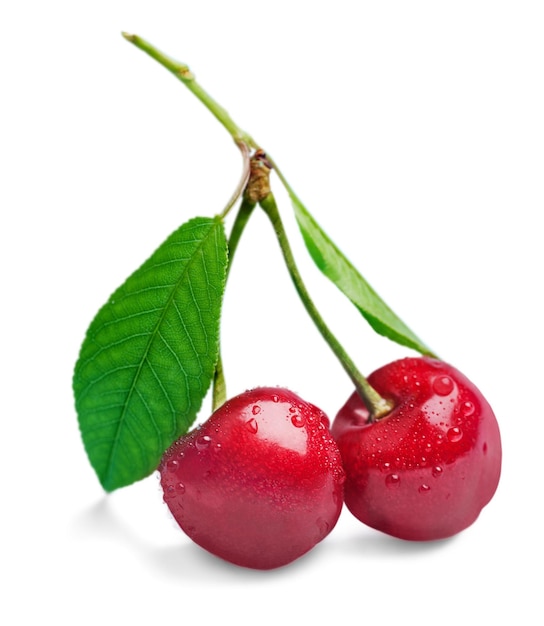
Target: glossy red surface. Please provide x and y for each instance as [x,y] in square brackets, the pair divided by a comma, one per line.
[258,484]
[427,469]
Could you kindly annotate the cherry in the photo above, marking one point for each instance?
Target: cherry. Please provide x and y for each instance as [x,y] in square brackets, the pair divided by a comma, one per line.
[426,469]
[260,483]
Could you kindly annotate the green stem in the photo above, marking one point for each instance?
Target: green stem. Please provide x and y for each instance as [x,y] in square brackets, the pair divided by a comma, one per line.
[242,218]
[219,393]
[219,390]
[244,179]
[184,74]
[377,406]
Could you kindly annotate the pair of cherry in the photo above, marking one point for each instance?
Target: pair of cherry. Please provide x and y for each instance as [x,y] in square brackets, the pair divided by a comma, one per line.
[264,479]
[415,451]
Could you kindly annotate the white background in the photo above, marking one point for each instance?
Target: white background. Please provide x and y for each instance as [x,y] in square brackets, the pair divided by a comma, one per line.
[414,133]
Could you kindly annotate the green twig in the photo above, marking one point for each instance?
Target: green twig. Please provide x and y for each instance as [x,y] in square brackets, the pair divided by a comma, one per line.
[377,406]
[184,74]
[219,393]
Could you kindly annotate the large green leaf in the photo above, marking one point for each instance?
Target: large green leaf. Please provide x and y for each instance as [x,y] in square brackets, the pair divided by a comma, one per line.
[343,274]
[148,357]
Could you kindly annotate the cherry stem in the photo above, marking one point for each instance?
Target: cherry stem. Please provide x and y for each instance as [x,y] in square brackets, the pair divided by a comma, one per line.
[184,74]
[377,406]
[219,393]
[244,179]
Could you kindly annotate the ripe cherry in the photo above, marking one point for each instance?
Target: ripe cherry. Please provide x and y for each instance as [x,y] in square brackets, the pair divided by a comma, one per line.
[260,482]
[425,470]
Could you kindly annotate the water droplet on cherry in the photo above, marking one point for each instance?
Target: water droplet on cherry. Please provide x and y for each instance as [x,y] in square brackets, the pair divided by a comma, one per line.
[180,488]
[252,425]
[437,471]
[467,408]
[455,434]
[256,409]
[297,421]
[323,527]
[443,385]
[424,488]
[172,465]
[392,480]
[203,442]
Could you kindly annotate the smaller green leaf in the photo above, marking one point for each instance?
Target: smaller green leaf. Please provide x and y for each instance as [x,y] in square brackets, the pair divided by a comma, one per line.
[330,260]
[149,355]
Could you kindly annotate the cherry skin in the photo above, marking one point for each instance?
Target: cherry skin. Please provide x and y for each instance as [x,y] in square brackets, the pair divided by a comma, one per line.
[426,469]
[260,483]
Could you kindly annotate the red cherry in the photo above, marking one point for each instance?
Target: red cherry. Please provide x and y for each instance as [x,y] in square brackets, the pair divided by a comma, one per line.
[425,470]
[260,483]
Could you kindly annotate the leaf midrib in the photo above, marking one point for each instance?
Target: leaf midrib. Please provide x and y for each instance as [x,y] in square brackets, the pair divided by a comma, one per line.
[152,335]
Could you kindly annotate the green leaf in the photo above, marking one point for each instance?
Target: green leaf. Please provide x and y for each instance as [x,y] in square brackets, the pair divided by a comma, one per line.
[343,274]
[148,357]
